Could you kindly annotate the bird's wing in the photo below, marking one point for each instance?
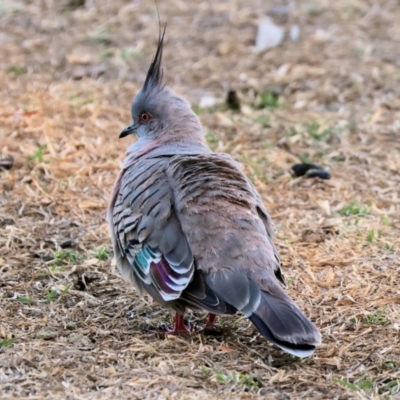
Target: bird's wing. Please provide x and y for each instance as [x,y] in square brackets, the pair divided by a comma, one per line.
[150,247]
[266,220]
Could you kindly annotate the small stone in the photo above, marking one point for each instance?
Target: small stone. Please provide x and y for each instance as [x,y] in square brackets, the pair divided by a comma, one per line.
[232,100]
[66,243]
[269,35]
[207,101]
[310,236]
[310,171]
[47,334]
[6,221]
[76,3]
[330,230]
[294,33]
[78,339]
[6,163]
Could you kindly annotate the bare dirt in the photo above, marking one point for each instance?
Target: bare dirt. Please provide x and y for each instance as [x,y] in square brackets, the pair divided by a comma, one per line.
[70,328]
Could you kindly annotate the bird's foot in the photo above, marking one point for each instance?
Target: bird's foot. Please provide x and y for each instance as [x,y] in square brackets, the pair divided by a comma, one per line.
[212,328]
[179,329]
[179,326]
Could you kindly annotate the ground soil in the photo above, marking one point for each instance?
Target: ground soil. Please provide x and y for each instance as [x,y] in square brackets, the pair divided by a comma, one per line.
[70,328]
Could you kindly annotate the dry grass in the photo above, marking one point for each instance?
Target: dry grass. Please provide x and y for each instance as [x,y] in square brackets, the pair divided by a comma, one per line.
[69,327]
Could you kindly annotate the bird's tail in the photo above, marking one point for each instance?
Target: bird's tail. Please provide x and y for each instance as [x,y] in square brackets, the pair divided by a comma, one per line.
[269,308]
[281,321]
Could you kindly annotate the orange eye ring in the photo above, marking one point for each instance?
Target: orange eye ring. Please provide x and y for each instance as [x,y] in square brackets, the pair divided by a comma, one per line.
[144,117]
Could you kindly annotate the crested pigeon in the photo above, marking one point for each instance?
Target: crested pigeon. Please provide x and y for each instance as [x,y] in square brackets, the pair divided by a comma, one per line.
[189,228]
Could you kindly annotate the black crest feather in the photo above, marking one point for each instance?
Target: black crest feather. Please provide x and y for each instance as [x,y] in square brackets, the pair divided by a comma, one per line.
[155,74]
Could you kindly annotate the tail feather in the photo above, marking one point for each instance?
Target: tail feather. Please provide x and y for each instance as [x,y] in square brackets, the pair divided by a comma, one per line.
[282,322]
[268,307]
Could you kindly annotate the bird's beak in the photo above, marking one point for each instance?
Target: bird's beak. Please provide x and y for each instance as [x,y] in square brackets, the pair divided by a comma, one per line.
[128,130]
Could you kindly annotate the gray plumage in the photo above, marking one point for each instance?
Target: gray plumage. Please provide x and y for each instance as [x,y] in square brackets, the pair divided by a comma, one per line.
[189,228]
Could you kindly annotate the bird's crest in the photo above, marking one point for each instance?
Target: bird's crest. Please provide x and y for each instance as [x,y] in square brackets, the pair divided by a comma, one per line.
[155,74]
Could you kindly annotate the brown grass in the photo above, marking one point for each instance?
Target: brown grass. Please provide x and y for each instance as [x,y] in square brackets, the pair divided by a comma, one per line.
[69,327]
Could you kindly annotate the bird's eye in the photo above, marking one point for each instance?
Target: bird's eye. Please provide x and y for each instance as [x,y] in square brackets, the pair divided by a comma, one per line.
[144,117]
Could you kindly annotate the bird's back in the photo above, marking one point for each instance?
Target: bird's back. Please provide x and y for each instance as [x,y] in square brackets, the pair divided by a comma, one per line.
[221,214]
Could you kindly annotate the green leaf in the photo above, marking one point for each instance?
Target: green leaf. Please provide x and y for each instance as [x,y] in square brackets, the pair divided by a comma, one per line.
[24,300]
[211,138]
[6,343]
[371,236]
[38,156]
[67,256]
[269,99]
[66,289]
[52,295]
[353,209]
[345,383]
[16,70]
[385,220]
[101,254]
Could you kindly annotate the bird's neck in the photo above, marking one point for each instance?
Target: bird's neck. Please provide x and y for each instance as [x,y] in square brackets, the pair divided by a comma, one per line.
[148,147]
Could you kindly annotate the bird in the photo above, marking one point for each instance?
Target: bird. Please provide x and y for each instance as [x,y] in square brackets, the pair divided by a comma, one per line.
[189,228]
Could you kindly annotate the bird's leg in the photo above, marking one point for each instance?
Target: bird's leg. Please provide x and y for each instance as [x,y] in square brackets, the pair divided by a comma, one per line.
[211,327]
[211,320]
[179,326]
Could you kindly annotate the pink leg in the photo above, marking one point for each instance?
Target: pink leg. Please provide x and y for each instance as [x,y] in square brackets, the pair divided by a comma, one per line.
[179,326]
[211,320]
[212,327]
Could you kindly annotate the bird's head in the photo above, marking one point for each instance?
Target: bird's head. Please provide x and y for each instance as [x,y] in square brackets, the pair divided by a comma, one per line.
[158,112]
